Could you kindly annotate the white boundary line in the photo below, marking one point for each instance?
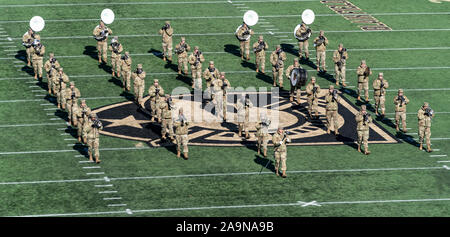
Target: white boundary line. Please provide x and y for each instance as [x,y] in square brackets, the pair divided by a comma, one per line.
[220,174]
[300,204]
[146,3]
[229,17]
[232,34]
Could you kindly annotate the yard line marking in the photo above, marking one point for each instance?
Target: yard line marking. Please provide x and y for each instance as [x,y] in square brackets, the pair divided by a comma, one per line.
[281,36]
[91,167]
[116,205]
[70,139]
[103,185]
[95,173]
[30,125]
[112,198]
[51,114]
[64,134]
[145,3]
[108,192]
[42,104]
[55,119]
[85,161]
[10,50]
[443,161]
[228,33]
[227,17]
[40,95]
[9,46]
[33,86]
[239,206]
[434,112]
[71,144]
[79,155]
[51,109]
[438,155]
[219,174]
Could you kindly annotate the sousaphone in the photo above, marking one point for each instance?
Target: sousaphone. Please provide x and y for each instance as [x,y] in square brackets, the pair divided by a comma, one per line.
[250,19]
[308,17]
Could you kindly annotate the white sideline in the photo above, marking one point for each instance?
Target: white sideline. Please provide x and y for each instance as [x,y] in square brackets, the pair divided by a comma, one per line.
[146,3]
[220,174]
[232,34]
[228,17]
[244,206]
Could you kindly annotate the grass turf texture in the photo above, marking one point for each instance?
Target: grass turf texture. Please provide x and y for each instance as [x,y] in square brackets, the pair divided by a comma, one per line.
[19,105]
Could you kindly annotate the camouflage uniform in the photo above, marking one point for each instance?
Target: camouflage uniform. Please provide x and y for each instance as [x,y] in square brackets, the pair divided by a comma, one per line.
[302,44]
[217,97]
[379,93]
[262,133]
[363,80]
[424,119]
[363,130]
[196,68]
[400,110]
[295,89]
[280,150]
[83,116]
[72,94]
[340,57]
[312,97]
[93,138]
[320,51]
[166,32]
[139,84]
[182,49]
[126,71]
[277,59]
[244,44]
[210,74]
[225,85]
[51,67]
[167,122]
[260,56]
[102,45]
[154,99]
[181,131]
[116,49]
[243,107]
[61,80]
[27,40]
[37,52]
[332,111]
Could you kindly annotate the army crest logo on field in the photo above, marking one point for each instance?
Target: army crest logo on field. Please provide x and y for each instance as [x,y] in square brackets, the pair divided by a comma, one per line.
[126,120]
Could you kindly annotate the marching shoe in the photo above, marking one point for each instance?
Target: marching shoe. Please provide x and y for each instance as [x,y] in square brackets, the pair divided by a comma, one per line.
[265,152]
[164,58]
[262,71]
[366,152]
[344,85]
[336,132]
[276,172]
[359,148]
[259,152]
[97,160]
[397,129]
[179,72]
[284,174]
[186,156]
[337,83]
[328,131]
[359,97]
[318,69]
[291,98]
[90,157]
[257,70]
[429,148]
[421,146]
[178,154]
[324,70]
[113,74]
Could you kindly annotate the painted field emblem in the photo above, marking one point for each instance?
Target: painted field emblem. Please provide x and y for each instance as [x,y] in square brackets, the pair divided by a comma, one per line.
[125,120]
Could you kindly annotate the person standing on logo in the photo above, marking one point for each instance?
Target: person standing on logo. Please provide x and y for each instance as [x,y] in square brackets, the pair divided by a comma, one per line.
[181,131]
[363,121]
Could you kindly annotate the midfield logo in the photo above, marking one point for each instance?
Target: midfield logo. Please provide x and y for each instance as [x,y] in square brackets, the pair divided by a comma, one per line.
[125,120]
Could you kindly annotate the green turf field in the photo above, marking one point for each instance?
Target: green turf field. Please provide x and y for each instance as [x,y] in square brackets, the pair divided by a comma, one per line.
[42,173]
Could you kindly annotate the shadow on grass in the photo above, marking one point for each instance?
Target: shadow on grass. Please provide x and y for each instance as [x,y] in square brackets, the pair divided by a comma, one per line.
[265,163]
[232,49]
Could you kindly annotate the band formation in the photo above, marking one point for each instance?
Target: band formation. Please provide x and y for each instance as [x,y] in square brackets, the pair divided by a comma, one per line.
[176,129]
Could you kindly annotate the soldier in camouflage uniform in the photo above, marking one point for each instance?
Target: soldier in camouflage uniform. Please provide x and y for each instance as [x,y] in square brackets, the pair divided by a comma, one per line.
[262,133]
[27,41]
[217,97]
[363,121]
[279,139]
[37,56]
[424,115]
[400,102]
[181,50]
[72,94]
[313,91]
[277,59]
[302,44]
[320,44]
[195,60]
[166,32]
[225,85]
[181,131]
[363,72]
[93,137]
[83,116]
[51,67]
[340,57]
[259,48]
[101,33]
[332,100]
[210,74]
[297,87]
[126,71]
[244,44]
[75,112]
[379,93]
[243,107]
[155,92]
[139,84]
[166,106]
[116,49]
[59,78]
[62,95]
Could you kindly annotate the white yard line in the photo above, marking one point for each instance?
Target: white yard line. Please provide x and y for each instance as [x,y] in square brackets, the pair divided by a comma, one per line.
[117,205]
[224,174]
[30,125]
[438,155]
[230,33]
[112,198]
[299,204]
